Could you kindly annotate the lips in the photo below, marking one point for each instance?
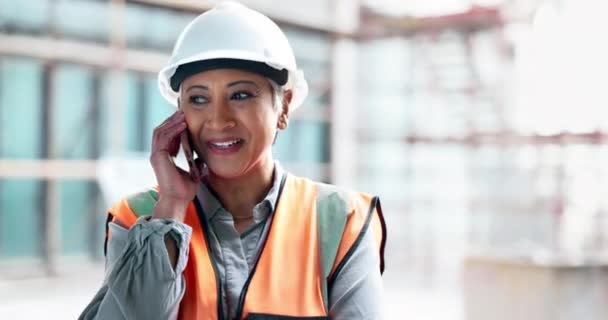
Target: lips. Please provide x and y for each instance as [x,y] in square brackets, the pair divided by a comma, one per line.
[225,146]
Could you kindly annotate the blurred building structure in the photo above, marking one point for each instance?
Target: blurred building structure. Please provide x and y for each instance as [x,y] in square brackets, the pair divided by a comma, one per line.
[79,83]
[433,111]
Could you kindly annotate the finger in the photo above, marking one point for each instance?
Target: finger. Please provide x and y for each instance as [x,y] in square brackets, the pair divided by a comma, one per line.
[165,138]
[167,144]
[175,116]
[173,146]
[186,146]
[160,130]
[169,122]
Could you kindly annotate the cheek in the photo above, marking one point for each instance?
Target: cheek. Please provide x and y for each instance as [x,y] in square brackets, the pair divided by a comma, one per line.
[195,124]
[267,123]
[252,116]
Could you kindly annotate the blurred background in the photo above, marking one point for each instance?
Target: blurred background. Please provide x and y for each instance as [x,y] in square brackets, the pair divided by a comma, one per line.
[482,124]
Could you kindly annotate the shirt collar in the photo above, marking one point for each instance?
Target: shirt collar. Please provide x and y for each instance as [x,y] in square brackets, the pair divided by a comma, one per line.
[211,205]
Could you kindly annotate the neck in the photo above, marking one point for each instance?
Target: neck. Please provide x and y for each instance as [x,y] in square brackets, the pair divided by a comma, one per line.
[240,195]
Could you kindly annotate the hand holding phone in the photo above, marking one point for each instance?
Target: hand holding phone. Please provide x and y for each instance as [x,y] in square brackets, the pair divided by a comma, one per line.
[177,187]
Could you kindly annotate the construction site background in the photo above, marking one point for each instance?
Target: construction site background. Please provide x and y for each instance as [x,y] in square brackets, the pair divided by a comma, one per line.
[481,124]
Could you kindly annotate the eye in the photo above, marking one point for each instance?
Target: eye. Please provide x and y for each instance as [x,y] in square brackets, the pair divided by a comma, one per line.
[198,100]
[241,95]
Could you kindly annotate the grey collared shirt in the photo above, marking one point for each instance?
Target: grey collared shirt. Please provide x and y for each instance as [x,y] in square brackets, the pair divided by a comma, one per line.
[236,253]
[138,270]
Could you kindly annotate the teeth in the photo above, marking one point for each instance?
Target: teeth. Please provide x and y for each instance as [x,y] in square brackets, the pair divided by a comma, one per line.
[225,144]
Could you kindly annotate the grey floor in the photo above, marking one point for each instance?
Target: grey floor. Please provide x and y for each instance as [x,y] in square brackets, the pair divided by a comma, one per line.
[64,296]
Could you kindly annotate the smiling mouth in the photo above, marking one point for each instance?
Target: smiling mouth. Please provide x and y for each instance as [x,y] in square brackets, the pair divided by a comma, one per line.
[226,144]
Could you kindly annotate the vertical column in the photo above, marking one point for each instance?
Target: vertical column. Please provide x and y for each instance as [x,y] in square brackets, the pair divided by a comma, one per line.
[117,78]
[95,152]
[343,98]
[49,194]
[142,112]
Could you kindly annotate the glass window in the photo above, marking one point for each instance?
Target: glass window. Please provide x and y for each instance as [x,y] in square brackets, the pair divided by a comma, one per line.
[313,55]
[133,117]
[130,89]
[20,213]
[76,208]
[312,141]
[305,141]
[314,46]
[83,19]
[20,108]
[284,144]
[20,138]
[157,109]
[149,27]
[29,16]
[74,113]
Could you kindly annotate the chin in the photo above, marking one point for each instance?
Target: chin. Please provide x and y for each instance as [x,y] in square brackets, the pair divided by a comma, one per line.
[225,170]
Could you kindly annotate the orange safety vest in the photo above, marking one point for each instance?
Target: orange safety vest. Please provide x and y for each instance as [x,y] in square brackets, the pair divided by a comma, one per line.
[313,231]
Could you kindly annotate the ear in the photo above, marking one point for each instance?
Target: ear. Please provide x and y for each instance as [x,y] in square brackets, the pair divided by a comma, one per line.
[283,121]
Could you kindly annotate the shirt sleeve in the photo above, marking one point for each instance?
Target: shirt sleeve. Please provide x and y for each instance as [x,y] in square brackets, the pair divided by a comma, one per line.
[140,282]
[357,291]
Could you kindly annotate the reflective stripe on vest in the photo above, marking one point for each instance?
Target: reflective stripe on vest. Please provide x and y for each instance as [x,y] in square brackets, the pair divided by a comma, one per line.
[296,265]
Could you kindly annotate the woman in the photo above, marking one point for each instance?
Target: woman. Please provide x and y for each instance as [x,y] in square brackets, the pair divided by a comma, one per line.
[237,237]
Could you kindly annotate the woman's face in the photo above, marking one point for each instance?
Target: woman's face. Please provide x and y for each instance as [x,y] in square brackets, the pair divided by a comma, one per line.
[232,119]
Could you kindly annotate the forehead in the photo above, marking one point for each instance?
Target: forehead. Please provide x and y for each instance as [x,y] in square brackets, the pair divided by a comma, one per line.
[223,77]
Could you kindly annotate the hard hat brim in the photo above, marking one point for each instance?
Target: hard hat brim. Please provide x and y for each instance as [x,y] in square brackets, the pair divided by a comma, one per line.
[295,80]
[186,70]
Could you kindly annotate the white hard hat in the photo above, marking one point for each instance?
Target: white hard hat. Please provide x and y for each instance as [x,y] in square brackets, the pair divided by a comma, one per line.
[233,36]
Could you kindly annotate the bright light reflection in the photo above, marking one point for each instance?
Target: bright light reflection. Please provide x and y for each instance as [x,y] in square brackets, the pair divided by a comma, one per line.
[562,70]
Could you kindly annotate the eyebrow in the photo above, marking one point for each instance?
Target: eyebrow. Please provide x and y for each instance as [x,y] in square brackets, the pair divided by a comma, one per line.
[197,86]
[234,83]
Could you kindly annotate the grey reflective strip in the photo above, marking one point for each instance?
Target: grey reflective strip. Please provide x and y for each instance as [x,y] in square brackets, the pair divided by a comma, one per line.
[332,212]
[142,204]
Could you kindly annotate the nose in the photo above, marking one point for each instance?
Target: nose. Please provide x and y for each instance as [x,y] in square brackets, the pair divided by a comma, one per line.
[220,116]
